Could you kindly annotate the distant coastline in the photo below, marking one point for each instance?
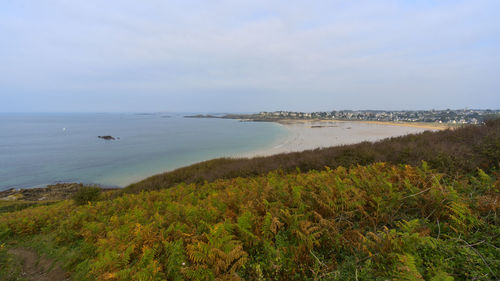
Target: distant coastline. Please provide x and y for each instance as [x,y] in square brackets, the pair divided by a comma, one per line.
[447,116]
[287,120]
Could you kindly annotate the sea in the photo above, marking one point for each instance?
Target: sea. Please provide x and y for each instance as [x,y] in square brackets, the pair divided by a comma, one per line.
[37,149]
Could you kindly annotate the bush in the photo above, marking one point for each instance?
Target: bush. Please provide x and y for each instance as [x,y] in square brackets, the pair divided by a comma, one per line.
[86,194]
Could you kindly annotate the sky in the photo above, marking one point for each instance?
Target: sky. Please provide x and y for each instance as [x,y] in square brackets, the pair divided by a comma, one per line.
[248,56]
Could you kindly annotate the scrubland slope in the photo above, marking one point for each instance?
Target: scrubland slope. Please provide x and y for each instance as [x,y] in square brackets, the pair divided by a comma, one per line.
[369,222]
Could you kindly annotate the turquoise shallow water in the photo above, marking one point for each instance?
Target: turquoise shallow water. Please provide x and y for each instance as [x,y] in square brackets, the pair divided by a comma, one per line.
[40,149]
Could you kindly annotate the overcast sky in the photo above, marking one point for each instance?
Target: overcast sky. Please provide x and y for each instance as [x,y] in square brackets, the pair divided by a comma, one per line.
[243,56]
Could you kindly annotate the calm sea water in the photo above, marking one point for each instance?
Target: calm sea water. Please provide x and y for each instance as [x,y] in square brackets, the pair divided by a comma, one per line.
[40,149]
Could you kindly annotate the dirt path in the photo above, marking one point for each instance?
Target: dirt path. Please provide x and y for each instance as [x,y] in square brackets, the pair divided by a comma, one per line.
[38,268]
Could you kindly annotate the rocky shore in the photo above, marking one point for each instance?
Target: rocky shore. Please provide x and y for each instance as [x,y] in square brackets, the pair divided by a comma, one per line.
[60,191]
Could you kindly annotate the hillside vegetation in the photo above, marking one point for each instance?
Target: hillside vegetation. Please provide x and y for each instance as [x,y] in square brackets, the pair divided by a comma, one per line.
[419,207]
[374,222]
[455,152]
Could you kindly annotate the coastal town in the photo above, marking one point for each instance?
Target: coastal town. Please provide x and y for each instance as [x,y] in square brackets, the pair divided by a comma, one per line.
[448,116]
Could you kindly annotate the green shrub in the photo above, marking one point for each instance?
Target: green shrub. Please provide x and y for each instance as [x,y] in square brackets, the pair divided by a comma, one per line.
[87,194]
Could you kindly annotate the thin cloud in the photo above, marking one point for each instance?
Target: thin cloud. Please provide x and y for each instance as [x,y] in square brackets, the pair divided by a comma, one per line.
[248,55]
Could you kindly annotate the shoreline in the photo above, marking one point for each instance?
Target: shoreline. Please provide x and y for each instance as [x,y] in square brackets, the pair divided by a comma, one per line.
[430,126]
[316,134]
[306,135]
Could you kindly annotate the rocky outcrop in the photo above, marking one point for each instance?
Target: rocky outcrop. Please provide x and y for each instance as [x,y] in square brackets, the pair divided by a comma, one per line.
[58,191]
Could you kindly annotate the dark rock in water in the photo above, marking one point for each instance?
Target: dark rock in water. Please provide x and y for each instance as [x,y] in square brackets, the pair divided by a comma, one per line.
[106,137]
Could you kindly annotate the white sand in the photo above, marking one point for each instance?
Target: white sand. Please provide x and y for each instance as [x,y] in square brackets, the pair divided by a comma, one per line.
[304,135]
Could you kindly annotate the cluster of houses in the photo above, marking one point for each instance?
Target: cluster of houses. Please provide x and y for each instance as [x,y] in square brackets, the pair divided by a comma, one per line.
[461,116]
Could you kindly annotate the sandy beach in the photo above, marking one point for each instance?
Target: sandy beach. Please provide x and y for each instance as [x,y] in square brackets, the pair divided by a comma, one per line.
[304,135]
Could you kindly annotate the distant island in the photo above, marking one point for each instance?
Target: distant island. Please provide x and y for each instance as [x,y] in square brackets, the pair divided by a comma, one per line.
[202,116]
[448,116]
